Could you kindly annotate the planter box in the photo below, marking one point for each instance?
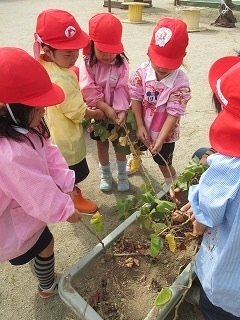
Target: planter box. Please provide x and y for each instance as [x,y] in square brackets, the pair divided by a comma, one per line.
[82,309]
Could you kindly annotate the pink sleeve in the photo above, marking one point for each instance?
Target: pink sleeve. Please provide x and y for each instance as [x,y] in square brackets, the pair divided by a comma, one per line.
[92,93]
[58,168]
[178,100]
[33,188]
[136,89]
[121,99]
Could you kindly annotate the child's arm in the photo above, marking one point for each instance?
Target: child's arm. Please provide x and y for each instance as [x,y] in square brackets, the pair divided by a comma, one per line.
[168,126]
[108,110]
[141,132]
[121,98]
[94,113]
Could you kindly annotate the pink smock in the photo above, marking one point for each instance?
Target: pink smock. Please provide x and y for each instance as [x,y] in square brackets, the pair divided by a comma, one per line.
[105,82]
[33,187]
[160,98]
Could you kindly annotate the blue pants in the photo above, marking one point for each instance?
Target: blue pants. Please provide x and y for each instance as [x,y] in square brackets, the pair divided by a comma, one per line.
[211,312]
[200,152]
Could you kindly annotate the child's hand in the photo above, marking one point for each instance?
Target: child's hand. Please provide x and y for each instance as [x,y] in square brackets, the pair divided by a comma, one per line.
[176,195]
[75,217]
[121,118]
[110,113]
[141,134]
[156,148]
[198,228]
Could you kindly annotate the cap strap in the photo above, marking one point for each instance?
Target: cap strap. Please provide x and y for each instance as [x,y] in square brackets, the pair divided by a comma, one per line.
[37,46]
[11,113]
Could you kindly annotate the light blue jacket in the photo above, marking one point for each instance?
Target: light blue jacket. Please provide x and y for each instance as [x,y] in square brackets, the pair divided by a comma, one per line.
[216,203]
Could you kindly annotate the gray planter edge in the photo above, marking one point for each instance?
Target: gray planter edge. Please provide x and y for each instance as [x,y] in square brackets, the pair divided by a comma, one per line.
[83,310]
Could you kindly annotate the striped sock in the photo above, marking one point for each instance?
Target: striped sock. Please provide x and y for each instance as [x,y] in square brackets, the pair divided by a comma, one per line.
[44,270]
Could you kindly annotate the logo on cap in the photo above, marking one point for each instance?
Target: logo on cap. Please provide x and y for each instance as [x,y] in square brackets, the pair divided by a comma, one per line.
[70,32]
[162,36]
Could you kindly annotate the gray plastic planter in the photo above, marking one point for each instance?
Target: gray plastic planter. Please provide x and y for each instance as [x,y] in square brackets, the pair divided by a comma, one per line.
[83,310]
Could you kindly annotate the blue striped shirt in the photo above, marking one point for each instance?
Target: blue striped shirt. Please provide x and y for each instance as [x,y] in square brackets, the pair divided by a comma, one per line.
[216,203]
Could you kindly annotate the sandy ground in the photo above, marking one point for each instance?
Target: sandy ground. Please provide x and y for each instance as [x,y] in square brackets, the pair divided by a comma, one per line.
[18,298]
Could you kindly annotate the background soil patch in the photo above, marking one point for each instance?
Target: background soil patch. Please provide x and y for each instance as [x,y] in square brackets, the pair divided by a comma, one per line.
[117,290]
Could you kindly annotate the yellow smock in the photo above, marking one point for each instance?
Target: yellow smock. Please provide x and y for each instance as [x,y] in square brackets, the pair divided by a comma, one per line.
[65,120]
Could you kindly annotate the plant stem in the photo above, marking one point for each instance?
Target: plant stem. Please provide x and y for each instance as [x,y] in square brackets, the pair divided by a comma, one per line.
[130,254]
[136,155]
[93,233]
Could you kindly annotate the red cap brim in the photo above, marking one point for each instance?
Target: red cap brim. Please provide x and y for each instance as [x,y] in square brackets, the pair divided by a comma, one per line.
[50,98]
[109,48]
[224,134]
[164,62]
[221,66]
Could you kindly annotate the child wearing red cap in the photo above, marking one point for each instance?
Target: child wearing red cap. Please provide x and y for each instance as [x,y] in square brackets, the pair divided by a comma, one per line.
[215,201]
[35,181]
[104,75]
[61,37]
[159,92]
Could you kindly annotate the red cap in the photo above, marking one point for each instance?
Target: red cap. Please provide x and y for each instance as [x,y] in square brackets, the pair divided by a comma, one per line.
[106,32]
[60,30]
[24,80]
[224,79]
[169,42]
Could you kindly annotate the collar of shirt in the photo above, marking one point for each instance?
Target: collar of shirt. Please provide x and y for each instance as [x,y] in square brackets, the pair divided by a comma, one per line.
[167,81]
[20,129]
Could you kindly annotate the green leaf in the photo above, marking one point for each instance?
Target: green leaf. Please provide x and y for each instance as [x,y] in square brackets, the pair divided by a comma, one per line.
[96,222]
[144,210]
[131,120]
[85,123]
[122,206]
[164,206]
[122,149]
[163,297]
[158,226]
[158,216]
[145,188]
[155,245]
[147,197]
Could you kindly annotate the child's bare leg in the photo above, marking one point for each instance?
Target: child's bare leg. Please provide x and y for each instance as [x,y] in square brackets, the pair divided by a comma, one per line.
[120,156]
[169,173]
[103,152]
[48,251]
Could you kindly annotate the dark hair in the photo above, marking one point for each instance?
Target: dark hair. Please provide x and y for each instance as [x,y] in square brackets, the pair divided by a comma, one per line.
[22,114]
[216,103]
[93,59]
[49,47]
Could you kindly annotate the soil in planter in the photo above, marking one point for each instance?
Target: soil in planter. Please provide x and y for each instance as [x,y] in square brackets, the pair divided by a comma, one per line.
[123,283]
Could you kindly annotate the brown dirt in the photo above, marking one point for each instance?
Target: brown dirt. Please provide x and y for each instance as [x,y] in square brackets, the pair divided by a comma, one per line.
[123,283]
